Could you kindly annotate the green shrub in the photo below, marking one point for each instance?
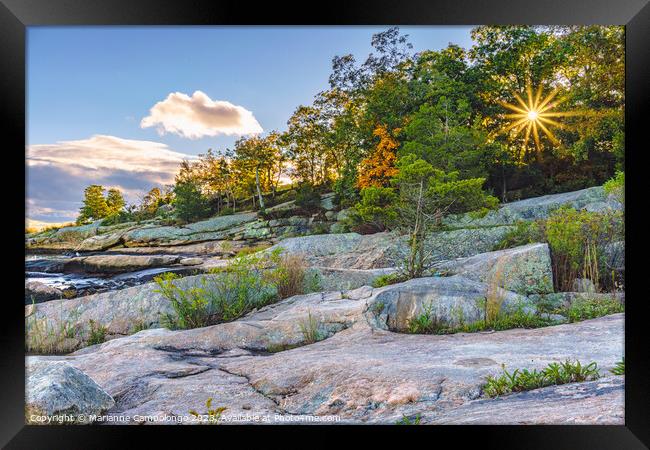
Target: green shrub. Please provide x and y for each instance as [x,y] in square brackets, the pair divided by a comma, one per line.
[191,308]
[307,197]
[248,282]
[525,380]
[375,208]
[590,308]
[462,195]
[524,233]
[387,279]
[405,420]
[96,333]
[189,202]
[310,331]
[576,240]
[616,186]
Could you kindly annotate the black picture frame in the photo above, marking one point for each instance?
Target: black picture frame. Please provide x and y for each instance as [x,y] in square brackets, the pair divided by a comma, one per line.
[16,15]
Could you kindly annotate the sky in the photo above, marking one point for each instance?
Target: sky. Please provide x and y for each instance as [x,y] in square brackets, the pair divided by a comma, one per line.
[122,106]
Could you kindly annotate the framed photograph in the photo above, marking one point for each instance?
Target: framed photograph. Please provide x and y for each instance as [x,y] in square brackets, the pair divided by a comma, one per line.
[376,219]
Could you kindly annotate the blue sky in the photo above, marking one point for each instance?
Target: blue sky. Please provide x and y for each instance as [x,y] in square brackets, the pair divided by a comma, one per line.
[89,81]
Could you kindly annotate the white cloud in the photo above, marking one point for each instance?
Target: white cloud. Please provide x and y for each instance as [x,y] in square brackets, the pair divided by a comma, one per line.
[198,116]
[58,173]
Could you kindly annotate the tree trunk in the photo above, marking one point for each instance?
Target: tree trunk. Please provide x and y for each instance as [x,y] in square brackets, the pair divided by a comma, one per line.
[257,183]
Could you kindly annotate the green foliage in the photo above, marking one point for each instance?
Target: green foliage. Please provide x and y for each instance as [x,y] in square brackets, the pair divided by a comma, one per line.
[525,232]
[96,333]
[590,308]
[405,420]
[189,202]
[553,374]
[310,331]
[375,208]
[248,282]
[616,186]
[307,197]
[619,368]
[424,323]
[191,308]
[576,240]
[387,279]
[114,201]
[94,205]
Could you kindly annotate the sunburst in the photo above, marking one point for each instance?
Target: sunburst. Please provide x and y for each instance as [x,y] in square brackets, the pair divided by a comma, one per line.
[534,116]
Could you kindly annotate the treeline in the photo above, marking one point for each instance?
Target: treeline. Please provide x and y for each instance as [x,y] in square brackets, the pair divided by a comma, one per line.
[437,115]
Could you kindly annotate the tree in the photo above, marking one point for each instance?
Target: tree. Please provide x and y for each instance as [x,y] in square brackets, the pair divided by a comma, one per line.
[379,167]
[442,134]
[189,202]
[264,158]
[306,146]
[426,195]
[94,205]
[114,201]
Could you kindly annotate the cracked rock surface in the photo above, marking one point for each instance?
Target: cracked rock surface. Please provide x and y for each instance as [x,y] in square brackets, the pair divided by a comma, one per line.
[359,372]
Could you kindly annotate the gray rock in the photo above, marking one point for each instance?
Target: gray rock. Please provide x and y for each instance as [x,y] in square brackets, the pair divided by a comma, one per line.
[361,373]
[591,199]
[333,279]
[343,214]
[330,215]
[38,292]
[452,301]
[117,263]
[525,270]
[597,402]
[327,201]
[382,250]
[191,261]
[55,388]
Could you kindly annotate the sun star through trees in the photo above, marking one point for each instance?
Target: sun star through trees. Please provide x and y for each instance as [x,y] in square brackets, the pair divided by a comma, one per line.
[533,117]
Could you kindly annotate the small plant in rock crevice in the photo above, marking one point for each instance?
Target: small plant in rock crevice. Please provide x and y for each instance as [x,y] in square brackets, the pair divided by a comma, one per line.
[619,368]
[406,420]
[524,380]
[309,329]
[96,333]
[212,416]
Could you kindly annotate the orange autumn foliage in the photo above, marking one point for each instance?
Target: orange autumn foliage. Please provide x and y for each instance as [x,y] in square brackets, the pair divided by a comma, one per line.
[378,168]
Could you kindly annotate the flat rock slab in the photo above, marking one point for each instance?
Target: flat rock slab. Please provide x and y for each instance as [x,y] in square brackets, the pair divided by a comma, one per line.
[368,375]
[361,374]
[599,402]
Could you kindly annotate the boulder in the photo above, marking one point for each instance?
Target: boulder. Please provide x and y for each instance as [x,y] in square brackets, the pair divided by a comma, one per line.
[55,388]
[37,292]
[451,301]
[212,248]
[525,270]
[327,201]
[590,199]
[191,261]
[387,249]
[117,263]
[333,279]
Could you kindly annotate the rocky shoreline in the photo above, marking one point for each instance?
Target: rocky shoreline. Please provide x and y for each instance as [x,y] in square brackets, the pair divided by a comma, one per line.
[365,366]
